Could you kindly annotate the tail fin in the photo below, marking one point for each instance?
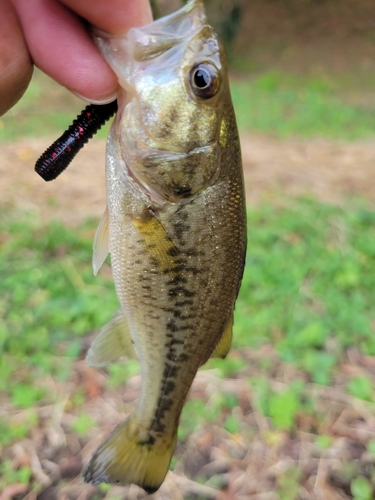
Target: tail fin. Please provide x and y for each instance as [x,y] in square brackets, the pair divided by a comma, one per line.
[131,455]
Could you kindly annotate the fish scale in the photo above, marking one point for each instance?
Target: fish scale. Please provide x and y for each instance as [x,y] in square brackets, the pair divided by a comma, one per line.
[176,227]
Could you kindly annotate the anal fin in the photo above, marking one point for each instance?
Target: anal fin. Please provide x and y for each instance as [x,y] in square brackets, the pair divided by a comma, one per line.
[113,343]
[222,348]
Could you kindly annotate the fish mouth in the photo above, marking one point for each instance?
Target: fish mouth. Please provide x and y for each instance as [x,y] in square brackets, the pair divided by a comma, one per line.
[160,35]
[150,40]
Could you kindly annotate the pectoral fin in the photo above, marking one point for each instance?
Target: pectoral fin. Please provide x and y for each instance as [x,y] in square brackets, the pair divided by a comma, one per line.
[159,245]
[101,243]
[222,348]
[113,343]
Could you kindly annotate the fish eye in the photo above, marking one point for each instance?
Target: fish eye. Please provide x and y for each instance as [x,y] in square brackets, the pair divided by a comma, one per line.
[204,80]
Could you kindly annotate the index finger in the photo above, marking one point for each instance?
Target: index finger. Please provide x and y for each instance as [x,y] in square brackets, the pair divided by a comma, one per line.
[113,16]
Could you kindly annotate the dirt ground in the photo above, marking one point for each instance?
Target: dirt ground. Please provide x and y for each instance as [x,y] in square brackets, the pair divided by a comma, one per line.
[331,171]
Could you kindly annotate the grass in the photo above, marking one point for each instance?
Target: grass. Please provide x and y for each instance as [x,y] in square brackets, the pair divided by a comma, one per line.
[48,295]
[308,290]
[309,284]
[278,103]
[287,105]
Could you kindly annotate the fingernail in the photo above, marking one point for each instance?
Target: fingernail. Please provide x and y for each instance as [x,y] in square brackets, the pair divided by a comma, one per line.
[105,100]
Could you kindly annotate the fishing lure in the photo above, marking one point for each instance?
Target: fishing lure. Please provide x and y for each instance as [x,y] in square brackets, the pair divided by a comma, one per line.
[58,156]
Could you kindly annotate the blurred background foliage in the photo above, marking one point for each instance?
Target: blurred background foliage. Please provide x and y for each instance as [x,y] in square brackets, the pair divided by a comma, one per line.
[298,68]
[300,379]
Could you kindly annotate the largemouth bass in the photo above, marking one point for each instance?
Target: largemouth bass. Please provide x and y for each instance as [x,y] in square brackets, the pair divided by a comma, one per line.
[175,227]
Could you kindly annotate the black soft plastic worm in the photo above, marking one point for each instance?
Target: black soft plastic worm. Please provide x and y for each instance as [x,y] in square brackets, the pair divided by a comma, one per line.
[58,156]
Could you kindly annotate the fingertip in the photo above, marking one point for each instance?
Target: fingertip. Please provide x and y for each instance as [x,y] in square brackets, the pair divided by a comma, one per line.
[16,67]
[113,16]
[14,84]
[104,100]
[61,47]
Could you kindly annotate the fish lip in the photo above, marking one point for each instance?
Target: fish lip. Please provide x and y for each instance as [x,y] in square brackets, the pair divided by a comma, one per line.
[162,33]
[172,25]
[194,9]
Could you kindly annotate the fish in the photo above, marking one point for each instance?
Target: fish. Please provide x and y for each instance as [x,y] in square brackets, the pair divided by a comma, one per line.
[175,227]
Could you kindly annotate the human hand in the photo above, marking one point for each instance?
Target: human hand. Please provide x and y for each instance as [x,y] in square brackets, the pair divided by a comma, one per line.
[16,67]
[52,34]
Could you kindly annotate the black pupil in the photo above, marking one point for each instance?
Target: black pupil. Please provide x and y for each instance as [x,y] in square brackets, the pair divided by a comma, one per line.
[201,78]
